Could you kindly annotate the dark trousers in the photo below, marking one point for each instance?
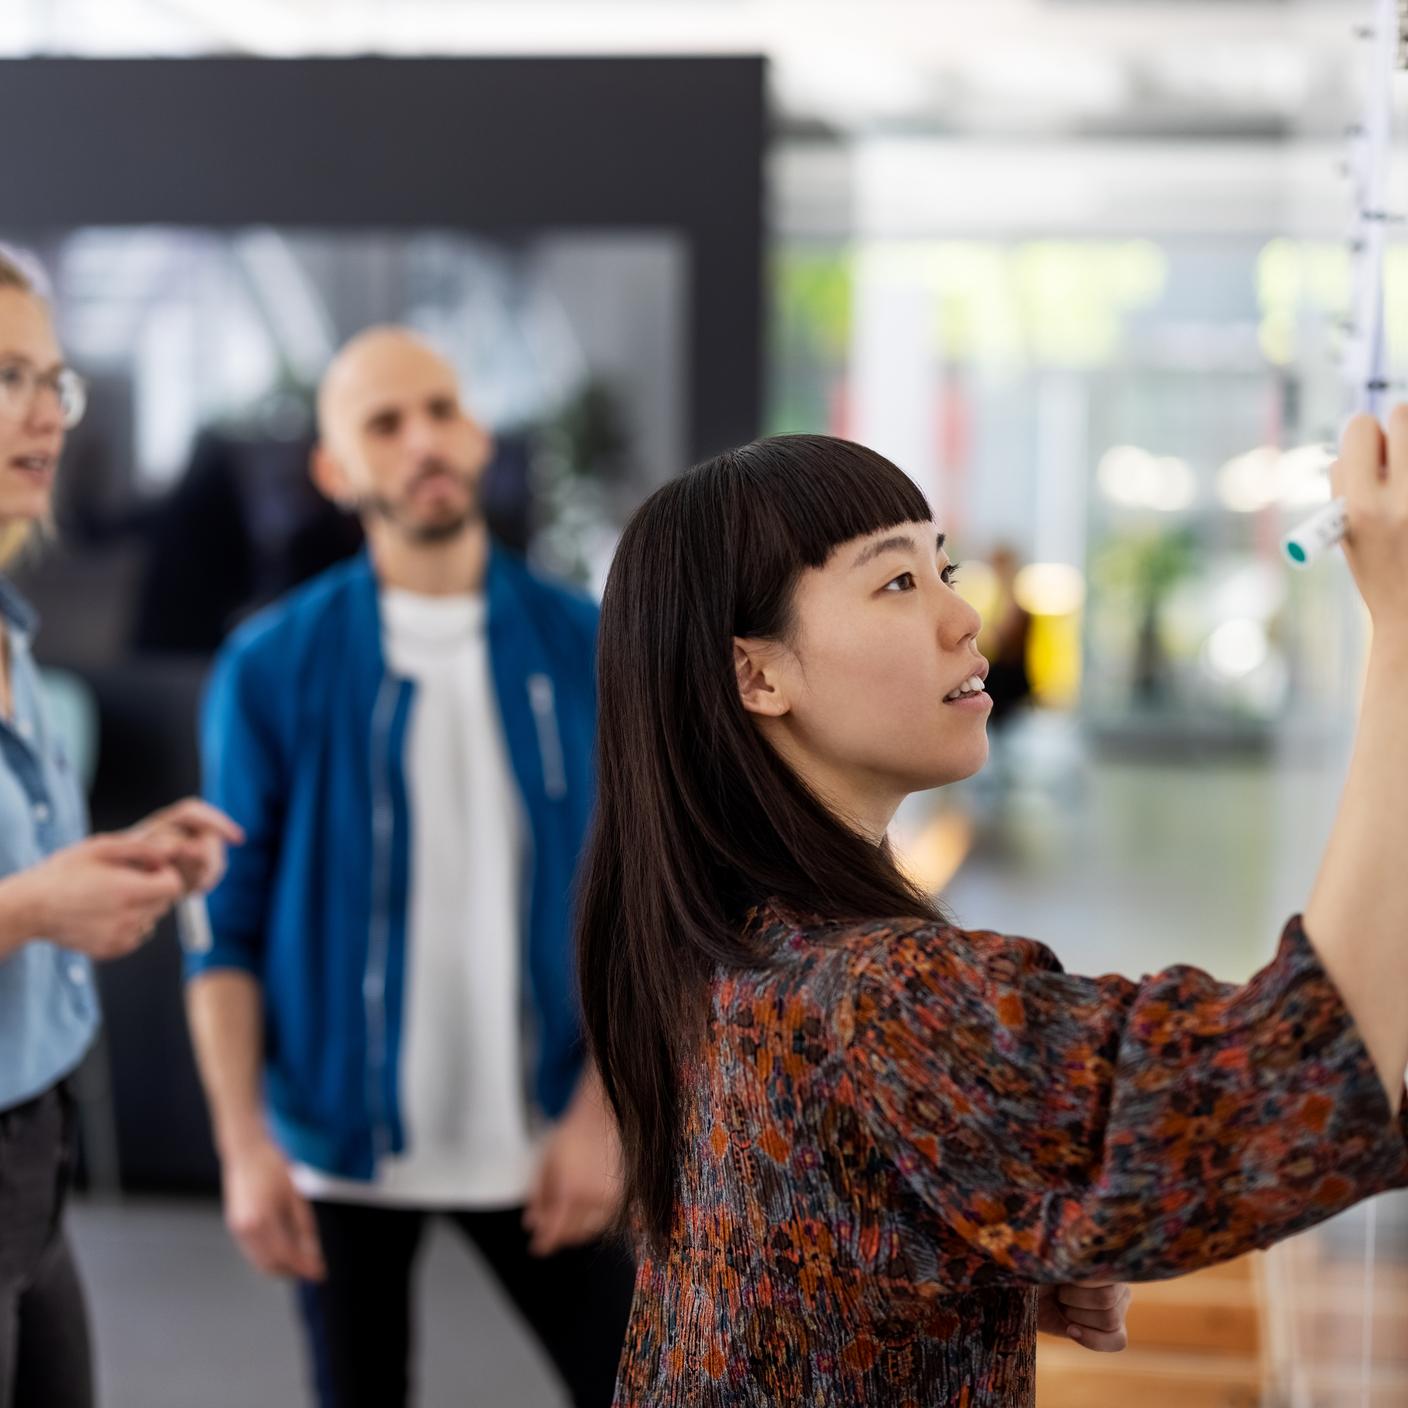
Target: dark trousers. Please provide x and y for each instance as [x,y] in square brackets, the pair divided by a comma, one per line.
[45,1358]
[359,1319]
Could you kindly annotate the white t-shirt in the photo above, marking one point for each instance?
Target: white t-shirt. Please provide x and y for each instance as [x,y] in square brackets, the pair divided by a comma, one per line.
[469,1136]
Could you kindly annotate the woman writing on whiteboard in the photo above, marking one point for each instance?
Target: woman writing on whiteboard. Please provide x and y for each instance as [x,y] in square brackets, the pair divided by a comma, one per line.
[869,1153]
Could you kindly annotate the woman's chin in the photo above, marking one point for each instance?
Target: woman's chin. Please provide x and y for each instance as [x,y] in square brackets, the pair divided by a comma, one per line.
[25,504]
[954,766]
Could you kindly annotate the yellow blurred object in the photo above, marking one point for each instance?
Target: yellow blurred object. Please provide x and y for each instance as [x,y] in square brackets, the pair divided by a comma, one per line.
[1054,660]
[1052,594]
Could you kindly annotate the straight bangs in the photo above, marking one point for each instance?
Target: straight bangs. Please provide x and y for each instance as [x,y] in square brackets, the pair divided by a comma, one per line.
[795,500]
[817,492]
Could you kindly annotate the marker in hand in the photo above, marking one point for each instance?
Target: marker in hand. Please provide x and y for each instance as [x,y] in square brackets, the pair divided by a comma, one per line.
[1317,535]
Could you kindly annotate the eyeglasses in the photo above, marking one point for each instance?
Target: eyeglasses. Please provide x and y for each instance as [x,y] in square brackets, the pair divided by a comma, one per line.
[21,383]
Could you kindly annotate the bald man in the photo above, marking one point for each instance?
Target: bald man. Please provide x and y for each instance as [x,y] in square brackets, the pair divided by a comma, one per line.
[384,1010]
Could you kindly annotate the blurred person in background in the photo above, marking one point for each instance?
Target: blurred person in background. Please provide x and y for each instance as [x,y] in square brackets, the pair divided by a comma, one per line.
[64,900]
[1005,637]
[386,1018]
[870,1153]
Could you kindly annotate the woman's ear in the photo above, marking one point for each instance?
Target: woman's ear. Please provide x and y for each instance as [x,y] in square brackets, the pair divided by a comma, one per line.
[759,685]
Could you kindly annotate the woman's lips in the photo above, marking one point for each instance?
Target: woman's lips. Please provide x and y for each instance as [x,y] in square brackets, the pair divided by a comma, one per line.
[33,467]
[978,703]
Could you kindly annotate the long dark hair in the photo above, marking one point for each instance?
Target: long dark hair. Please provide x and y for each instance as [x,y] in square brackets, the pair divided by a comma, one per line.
[698,819]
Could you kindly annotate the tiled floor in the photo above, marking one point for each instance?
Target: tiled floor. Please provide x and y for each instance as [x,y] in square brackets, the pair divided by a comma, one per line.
[181,1322]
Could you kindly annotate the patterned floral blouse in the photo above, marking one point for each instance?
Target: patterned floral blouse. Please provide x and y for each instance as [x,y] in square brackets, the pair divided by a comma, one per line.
[897,1133]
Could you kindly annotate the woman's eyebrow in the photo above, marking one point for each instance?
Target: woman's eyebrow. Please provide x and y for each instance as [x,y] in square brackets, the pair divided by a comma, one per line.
[896,542]
[20,359]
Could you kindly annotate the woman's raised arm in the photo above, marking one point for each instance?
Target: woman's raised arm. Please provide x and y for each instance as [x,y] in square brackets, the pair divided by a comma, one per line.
[1063,1128]
[1357,917]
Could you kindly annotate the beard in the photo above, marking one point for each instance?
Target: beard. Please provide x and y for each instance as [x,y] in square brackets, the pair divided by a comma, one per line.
[439,527]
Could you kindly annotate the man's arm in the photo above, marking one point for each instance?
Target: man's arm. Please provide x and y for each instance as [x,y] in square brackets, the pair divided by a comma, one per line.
[225,1009]
[578,1192]
[241,756]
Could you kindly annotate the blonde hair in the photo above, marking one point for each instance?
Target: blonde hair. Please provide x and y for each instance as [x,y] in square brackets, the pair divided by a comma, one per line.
[19,271]
[16,539]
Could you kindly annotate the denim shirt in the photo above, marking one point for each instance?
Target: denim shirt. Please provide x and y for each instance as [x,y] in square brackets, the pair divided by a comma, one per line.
[48,1002]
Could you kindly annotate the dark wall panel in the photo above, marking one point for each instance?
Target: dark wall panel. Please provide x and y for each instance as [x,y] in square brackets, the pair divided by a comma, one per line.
[495,145]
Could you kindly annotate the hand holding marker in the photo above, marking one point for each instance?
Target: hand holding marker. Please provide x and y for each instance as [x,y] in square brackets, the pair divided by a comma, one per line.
[1318,534]
[1364,360]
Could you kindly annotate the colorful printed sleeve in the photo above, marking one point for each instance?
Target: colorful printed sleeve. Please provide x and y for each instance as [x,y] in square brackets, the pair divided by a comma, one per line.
[1067,1127]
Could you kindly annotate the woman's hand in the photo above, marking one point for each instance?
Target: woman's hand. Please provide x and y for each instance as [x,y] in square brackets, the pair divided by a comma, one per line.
[197,835]
[1371,475]
[102,897]
[1091,1313]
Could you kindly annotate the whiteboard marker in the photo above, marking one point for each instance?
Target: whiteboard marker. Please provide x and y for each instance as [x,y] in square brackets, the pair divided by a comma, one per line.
[1317,535]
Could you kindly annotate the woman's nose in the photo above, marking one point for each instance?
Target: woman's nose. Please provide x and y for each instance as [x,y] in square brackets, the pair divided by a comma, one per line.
[959,622]
[46,412]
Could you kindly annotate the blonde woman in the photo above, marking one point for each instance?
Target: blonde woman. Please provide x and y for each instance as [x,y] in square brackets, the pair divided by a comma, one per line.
[64,900]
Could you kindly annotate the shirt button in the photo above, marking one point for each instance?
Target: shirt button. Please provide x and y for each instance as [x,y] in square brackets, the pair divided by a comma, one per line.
[41,812]
[77,973]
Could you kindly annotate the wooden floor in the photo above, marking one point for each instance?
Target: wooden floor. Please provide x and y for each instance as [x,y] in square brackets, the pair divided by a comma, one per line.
[1194,1343]
[1284,1331]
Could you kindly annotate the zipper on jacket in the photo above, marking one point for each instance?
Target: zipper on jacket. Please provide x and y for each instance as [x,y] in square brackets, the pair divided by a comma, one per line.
[544,705]
[379,937]
[529,1054]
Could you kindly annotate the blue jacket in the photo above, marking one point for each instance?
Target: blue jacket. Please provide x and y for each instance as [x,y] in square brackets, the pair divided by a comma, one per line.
[303,736]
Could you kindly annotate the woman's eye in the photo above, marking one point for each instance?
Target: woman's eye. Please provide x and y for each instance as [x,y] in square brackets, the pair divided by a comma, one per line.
[950,574]
[903,583]
[13,375]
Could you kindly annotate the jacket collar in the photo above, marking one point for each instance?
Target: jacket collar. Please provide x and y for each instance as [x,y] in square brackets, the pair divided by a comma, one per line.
[501,595]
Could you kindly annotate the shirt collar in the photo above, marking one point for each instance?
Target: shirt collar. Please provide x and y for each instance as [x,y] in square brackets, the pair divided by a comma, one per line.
[19,615]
